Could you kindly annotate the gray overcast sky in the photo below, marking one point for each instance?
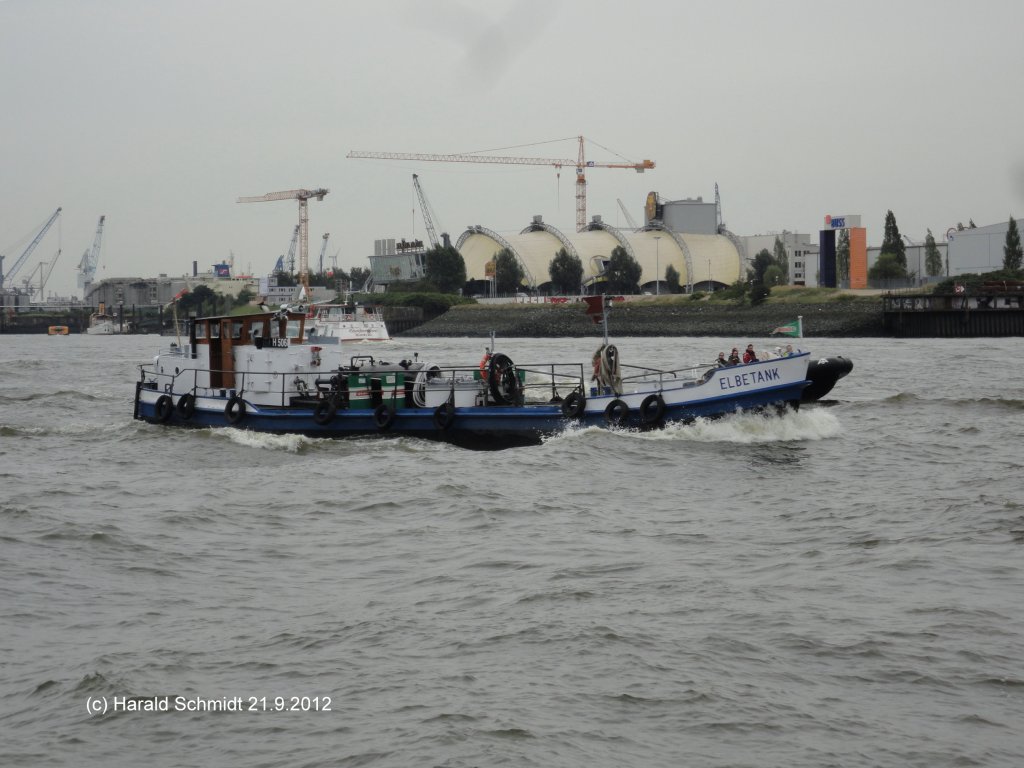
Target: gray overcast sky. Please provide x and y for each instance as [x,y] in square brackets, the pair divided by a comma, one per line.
[160,114]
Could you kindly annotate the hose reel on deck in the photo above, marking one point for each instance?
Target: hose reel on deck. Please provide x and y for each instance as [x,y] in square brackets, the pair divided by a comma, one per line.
[607,373]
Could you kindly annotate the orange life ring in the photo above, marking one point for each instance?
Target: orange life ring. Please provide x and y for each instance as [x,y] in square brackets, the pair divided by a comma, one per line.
[485,364]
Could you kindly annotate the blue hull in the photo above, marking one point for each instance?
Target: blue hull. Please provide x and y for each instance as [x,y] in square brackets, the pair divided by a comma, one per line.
[476,427]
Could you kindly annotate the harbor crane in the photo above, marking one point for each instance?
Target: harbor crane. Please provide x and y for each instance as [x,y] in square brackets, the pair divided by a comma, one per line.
[428,215]
[580,163]
[291,253]
[44,270]
[302,195]
[27,252]
[323,248]
[629,219]
[91,258]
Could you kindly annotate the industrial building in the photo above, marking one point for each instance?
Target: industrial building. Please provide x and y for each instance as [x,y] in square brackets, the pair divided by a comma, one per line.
[685,234]
[977,249]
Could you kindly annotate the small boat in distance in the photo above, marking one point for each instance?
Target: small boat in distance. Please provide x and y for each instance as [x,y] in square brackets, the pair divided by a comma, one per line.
[335,323]
[101,324]
[259,372]
[58,330]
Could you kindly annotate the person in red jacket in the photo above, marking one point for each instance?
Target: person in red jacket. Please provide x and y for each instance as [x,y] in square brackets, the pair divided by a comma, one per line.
[750,356]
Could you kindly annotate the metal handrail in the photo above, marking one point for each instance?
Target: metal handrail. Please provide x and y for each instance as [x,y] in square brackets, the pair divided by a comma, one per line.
[557,376]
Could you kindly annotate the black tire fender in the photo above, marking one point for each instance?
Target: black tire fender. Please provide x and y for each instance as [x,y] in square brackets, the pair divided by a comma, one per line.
[383,416]
[234,411]
[164,408]
[503,379]
[652,409]
[444,416]
[616,413]
[574,405]
[186,406]
[324,412]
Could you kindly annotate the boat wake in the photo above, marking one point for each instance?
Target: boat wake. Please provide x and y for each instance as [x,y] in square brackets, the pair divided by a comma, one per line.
[741,428]
[249,439]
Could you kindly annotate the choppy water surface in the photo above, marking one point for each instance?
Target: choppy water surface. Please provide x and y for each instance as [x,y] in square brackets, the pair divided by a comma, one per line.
[842,586]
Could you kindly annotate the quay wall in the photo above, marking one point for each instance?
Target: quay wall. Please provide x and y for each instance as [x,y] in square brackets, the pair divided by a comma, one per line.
[954,323]
[837,319]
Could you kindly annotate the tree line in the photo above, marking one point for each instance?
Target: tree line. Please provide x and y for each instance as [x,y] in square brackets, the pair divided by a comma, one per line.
[446,272]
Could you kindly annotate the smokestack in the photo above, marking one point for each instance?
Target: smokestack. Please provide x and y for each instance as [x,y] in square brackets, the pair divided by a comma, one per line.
[195,268]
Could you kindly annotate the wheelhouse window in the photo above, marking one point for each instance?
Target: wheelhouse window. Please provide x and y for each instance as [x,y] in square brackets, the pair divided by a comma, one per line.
[257,330]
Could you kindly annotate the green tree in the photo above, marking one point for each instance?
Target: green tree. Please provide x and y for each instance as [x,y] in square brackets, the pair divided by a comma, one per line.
[623,272]
[761,262]
[1012,253]
[887,267]
[244,297]
[200,300]
[508,272]
[444,268]
[672,279]
[932,257]
[843,257]
[758,293]
[566,271]
[892,242]
[357,278]
[781,259]
[774,275]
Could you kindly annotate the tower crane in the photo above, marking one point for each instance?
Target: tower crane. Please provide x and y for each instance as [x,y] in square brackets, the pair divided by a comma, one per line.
[27,252]
[322,249]
[91,258]
[428,216]
[580,163]
[302,195]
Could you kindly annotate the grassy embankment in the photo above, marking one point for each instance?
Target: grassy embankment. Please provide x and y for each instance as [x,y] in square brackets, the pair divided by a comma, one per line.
[825,312]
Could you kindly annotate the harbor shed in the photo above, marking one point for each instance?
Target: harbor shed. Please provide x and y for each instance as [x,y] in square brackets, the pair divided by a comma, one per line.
[704,261]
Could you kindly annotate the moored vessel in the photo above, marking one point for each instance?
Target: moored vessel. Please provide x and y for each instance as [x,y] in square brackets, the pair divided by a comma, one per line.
[101,324]
[335,323]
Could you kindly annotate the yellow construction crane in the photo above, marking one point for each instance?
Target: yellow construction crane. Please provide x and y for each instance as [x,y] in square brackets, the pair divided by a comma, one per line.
[580,163]
[302,195]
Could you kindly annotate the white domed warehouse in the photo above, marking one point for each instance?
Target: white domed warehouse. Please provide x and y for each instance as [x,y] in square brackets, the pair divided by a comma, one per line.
[703,261]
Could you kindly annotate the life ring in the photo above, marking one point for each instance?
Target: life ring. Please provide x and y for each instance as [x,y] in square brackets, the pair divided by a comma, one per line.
[485,363]
[383,416]
[616,414]
[444,416]
[324,412]
[234,411]
[573,405]
[186,406]
[652,409]
[164,408]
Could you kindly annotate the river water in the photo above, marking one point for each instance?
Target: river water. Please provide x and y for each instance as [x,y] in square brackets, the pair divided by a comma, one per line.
[842,586]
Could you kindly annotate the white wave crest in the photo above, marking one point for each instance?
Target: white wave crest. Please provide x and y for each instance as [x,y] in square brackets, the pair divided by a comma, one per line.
[250,439]
[749,428]
[741,428]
